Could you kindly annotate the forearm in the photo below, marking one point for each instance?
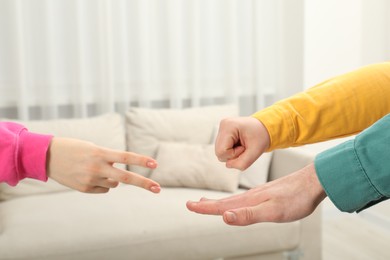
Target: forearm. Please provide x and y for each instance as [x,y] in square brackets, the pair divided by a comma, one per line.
[355,174]
[22,154]
[341,106]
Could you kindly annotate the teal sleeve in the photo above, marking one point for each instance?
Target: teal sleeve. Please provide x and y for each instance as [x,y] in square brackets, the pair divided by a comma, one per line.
[356,174]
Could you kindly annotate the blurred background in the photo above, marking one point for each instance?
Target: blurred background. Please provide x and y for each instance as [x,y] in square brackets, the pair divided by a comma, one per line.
[79,58]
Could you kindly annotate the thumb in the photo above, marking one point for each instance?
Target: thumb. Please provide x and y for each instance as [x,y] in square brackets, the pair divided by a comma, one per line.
[247,216]
[244,160]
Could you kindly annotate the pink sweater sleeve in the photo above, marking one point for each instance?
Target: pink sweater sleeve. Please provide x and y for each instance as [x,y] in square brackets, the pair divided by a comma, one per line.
[22,154]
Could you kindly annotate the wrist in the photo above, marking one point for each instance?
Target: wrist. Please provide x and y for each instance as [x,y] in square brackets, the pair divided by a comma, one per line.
[317,190]
[266,139]
[262,134]
[33,155]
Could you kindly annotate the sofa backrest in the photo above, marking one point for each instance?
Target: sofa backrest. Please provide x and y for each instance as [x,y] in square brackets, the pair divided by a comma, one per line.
[148,128]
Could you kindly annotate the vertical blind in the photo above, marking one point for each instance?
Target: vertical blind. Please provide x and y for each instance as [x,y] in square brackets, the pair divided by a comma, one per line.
[77,58]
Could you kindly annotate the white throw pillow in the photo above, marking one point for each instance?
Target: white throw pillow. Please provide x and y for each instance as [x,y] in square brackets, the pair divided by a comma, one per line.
[106,130]
[146,128]
[193,166]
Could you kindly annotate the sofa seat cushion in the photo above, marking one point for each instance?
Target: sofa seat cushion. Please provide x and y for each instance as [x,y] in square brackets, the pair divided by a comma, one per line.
[130,223]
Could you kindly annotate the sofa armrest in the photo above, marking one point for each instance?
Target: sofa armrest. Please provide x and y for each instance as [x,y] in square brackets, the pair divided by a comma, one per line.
[285,162]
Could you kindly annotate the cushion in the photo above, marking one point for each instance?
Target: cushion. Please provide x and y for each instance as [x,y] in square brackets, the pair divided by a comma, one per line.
[147,128]
[106,130]
[194,166]
[131,223]
[257,173]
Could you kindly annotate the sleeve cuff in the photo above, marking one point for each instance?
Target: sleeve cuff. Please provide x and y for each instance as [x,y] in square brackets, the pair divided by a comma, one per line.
[279,126]
[344,179]
[32,154]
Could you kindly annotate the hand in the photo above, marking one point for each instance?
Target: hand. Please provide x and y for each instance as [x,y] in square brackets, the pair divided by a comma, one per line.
[289,198]
[89,168]
[241,141]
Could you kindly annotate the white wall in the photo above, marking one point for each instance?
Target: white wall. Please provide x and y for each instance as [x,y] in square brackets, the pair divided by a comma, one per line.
[340,36]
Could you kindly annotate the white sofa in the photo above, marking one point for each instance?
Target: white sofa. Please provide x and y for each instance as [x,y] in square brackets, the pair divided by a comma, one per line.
[48,221]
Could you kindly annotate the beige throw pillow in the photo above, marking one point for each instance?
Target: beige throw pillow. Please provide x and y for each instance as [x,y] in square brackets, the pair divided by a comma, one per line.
[257,173]
[106,130]
[147,128]
[193,166]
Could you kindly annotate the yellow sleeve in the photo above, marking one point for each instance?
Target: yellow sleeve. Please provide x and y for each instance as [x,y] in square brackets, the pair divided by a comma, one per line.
[338,107]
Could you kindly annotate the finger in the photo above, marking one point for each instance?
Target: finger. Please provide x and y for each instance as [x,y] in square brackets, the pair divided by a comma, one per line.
[251,215]
[244,160]
[94,189]
[129,158]
[100,190]
[226,148]
[107,183]
[218,207]
[204,206]
[132,178]
[235,152]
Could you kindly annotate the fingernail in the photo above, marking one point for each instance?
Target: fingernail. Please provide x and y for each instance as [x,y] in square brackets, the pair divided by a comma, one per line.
[230,217]
[151,164]
[155,189]
[190,205]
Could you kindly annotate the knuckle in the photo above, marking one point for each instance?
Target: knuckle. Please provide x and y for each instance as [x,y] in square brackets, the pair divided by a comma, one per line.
[92,169]
[226,121]
[249,216]
[220,159]
[97,152]
[219,152]
[126,178]
[219,207]
[223,122]
[125,159]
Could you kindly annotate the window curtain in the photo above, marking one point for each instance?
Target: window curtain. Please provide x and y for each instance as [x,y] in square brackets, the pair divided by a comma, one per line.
[79,58]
